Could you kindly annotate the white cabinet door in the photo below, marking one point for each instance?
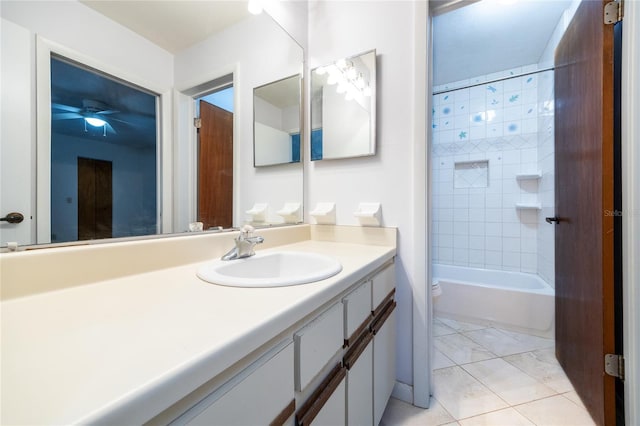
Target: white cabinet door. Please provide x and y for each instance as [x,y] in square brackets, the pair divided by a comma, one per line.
[360,390]
[255,397]
[316,344]
[384,366]
[333,411]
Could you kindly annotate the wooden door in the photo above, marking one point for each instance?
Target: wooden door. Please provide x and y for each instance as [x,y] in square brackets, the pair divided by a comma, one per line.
[215,166]
[584,197]
[95,199]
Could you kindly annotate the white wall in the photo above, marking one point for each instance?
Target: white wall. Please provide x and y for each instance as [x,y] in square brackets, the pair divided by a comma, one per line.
[81,29]
[342,29]
[246,50]
[16,125]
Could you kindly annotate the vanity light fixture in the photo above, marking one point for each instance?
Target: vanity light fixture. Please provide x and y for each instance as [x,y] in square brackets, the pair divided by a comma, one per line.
[349,80]
[255,7]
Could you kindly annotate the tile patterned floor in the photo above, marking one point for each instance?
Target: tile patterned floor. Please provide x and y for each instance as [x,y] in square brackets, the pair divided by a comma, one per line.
[486,376]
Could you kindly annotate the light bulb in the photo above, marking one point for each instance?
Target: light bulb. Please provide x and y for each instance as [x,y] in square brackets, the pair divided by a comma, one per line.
[255,7]
[95,122]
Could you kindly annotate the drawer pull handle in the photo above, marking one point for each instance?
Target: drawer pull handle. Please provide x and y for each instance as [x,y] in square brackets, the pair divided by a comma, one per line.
[320,396]
[379,322]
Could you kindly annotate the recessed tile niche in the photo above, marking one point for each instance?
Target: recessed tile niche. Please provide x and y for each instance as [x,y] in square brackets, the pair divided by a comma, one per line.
[471,174]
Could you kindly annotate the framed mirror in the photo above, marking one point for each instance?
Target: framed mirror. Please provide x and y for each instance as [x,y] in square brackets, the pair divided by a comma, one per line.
[343,108]
[196,42]
[277,122]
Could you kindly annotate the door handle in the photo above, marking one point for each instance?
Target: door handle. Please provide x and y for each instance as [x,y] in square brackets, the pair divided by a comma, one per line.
[12,217]
[555,219]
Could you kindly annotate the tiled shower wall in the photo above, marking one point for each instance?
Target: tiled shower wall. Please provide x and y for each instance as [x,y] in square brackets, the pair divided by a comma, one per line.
[546,232]
[483,137]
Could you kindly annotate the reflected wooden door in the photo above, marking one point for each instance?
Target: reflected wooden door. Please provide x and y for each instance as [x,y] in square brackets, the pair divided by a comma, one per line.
[95,199]
[215,166]
[584,156]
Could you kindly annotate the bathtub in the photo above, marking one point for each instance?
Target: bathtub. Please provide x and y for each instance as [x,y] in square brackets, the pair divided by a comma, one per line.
[511,300]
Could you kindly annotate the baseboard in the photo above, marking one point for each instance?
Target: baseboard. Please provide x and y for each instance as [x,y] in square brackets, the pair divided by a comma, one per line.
[403,392]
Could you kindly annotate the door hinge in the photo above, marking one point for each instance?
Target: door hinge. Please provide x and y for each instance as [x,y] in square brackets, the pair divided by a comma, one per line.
[613,12]
[614,365]
[197,123]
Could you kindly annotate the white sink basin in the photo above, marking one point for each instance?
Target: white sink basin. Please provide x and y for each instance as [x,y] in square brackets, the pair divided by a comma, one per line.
[277,269]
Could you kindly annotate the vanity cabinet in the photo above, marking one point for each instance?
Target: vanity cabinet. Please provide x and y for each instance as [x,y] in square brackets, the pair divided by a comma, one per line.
[337,368]
[316,344]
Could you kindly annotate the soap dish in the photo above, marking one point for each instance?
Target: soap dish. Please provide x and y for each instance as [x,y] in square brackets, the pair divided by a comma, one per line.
[369,214]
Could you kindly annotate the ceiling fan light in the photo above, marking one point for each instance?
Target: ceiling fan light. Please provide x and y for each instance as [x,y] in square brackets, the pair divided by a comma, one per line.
[95,122]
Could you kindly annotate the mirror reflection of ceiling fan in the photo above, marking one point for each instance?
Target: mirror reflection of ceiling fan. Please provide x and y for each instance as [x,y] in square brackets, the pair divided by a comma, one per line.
[93,112]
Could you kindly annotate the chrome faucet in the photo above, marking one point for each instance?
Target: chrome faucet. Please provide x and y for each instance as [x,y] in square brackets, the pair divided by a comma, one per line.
[245,243]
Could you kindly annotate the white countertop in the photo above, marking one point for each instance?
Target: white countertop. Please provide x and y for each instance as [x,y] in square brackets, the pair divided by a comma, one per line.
[120,351]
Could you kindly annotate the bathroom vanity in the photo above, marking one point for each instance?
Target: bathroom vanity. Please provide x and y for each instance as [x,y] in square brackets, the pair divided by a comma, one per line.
[160,346]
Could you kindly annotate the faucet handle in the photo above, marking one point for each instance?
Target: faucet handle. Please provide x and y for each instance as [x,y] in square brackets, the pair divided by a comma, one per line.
[247,230]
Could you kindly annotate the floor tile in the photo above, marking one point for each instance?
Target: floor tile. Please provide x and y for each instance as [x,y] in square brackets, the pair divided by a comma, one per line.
[461,349]
[573,396]
[401,413]
[462,395]
[555,411]
[440,360]
[441,329]
[508,382]
[498,342]
[506,417]
[532,342]
[460,325]
[542,365]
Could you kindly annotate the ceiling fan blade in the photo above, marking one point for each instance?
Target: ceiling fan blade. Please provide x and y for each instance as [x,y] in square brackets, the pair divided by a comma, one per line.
[110,128]
[65,116]
[107,112]
[65,107]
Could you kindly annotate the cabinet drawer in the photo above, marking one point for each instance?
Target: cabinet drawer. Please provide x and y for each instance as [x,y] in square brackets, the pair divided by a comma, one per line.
[382,284]
[258,395]
[316,344]
[357,311]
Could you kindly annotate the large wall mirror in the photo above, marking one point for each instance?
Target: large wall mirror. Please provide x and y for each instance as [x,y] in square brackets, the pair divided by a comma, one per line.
[343,108]
[277,122]
[119,113]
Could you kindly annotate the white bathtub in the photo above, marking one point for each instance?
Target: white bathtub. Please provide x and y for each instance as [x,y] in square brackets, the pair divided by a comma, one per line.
[512,300]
